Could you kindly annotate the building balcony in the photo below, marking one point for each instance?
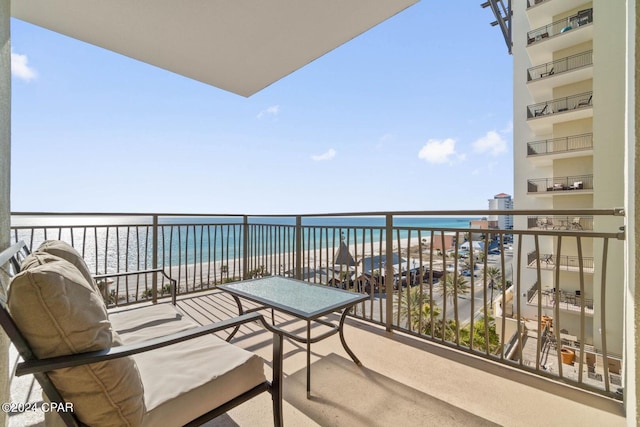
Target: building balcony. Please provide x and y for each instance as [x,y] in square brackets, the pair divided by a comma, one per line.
[542,116]
[568,301]
[541,79]
[562,262]
[557,222]
[398,383]
[546,151]
[401,344]
[539,11]
[566,185]
[561,34]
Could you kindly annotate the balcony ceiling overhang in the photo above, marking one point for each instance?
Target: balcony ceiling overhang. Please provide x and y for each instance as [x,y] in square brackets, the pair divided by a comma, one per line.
[241,46]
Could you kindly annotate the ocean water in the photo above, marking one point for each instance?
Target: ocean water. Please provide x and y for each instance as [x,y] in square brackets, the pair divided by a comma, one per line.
[117,243]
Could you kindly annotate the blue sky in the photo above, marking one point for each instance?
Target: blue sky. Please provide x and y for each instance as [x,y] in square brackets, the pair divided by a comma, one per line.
[415,114]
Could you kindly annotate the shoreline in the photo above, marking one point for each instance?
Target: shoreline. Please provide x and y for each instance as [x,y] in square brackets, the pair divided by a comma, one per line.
[207,274]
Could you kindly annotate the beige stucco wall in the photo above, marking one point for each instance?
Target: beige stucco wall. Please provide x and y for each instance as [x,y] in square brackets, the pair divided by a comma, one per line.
[632,386]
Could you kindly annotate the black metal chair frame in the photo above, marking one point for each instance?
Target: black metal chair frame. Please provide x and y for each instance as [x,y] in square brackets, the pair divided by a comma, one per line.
[39,367]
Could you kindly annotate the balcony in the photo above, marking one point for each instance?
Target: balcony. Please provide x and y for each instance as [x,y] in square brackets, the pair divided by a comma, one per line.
[404,334]
[398,383]
[562,262]
[539,11]
[555,222]
[541,79]
[542,116]
[566,185]
[566,32]
[545,151]
[566,300]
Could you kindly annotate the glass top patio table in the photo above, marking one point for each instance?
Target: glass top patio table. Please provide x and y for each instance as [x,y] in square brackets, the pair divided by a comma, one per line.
[304,300]
[301,299]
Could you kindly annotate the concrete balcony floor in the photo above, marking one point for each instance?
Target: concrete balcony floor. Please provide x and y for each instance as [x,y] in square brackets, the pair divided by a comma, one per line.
[404,381]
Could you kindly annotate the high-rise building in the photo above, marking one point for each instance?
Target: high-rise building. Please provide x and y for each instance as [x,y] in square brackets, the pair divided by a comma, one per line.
[501,201]
[569,141]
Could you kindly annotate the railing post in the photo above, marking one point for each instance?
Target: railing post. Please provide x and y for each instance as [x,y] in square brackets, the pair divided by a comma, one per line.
[388,274]
[245,247]
[299,247]
[154,260]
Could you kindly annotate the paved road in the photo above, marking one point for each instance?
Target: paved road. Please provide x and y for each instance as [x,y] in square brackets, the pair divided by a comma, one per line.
[464,301]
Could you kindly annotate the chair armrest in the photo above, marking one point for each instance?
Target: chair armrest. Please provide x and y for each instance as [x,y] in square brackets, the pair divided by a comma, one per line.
[174,282]
[59,362]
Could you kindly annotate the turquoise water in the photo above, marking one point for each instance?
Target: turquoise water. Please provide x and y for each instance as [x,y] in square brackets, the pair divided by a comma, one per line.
[277,234]
[116,242]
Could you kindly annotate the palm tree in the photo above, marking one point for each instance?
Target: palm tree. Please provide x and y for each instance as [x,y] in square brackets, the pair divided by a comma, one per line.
[416,310]
[494,276]
[479,338]
[452,289]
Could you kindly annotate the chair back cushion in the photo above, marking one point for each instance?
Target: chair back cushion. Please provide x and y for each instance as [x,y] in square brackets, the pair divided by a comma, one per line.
[60,313]
[67,252]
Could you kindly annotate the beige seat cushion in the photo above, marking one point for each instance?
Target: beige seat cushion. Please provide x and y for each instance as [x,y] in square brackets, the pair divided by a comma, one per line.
[59,313]
[145,323]
[189,379]
[186,380]
[67,252]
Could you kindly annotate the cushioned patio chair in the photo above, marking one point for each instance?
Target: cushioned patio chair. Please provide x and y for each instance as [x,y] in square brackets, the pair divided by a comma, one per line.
[541,112]
[575,224]
[584,102]
[148,366]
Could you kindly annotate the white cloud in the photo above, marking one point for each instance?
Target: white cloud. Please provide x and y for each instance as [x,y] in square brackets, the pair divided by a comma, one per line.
[328,155]
[492,143]
[438,151]
[272,111]
[20,67]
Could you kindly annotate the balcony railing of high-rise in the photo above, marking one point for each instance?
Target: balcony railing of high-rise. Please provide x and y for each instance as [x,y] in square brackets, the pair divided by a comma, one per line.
[560,145]
[427,274]
[571,301]
[560,184]
[560,66]
[560,105]
[563,262]
[560,26]
[556,222]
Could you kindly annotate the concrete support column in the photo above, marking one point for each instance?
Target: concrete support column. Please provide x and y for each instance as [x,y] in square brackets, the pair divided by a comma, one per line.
[5,174]
[632,320]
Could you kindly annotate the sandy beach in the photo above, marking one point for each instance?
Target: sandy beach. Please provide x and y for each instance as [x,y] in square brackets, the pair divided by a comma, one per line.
[206,274]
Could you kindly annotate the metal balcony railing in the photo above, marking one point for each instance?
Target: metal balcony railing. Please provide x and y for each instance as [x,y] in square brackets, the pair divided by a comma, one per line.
[573,102]
[566,300]
[555,222]
[557,184]
[419,276]
[560,66]
[562,262]
[560,145]
[561,26]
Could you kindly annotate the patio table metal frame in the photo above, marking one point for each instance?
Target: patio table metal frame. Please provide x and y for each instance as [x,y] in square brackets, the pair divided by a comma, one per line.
[303,300]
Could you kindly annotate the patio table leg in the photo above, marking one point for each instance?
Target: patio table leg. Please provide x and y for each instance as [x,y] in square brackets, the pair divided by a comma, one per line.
[240,313]
[308,359]
[344,342]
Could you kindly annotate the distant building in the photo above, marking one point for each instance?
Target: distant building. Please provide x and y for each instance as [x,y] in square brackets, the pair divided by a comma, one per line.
[449,242]
[481,224]
[501,201]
